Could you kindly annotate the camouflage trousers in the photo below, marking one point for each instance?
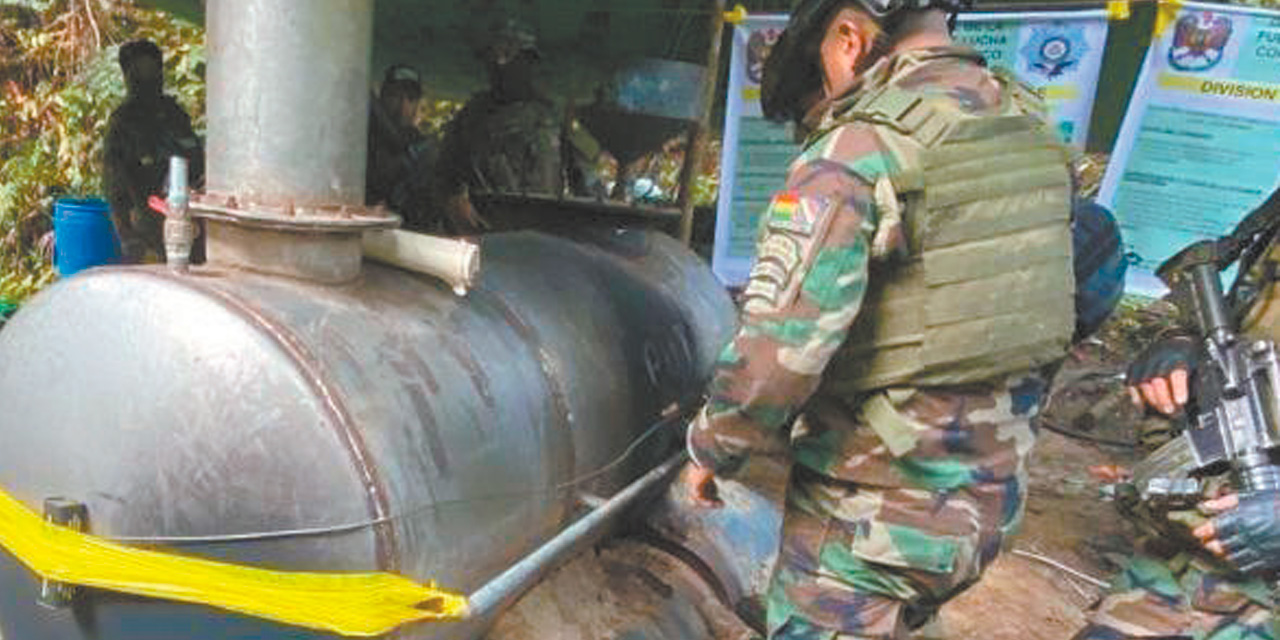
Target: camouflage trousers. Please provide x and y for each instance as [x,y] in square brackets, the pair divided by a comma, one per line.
[870,563]
[1186,597]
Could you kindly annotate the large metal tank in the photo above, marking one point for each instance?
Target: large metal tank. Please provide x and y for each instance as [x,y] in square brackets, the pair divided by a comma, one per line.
[388,424]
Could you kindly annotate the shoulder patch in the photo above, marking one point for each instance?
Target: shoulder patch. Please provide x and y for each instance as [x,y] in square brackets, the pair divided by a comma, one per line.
[793,228]
[789,212]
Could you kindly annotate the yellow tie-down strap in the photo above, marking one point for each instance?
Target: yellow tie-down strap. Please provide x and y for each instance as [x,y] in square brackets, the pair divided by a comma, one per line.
[357,604]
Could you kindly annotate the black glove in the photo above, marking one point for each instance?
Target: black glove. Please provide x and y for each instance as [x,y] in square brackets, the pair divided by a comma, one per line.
[1164,357]
[1250,533]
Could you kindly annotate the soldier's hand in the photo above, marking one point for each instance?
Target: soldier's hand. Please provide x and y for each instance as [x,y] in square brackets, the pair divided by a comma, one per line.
[1160,377]
[1110,473]
[1246,532]
[701,484]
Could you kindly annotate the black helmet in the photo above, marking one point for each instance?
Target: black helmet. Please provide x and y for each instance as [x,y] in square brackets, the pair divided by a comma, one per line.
[884,10]
[510,41]
[403,80]
[792,72]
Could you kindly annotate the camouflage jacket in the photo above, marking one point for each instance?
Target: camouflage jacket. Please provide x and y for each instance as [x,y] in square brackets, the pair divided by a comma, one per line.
[493,146]
[141,136]
[772,371]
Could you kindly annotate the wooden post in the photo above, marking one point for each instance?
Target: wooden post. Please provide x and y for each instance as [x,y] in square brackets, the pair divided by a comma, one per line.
[700,129]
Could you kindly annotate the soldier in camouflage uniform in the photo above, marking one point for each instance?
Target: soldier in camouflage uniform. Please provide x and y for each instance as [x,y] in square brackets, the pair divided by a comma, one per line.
[142,135]
[1175,587]
[510,139]
[912,285]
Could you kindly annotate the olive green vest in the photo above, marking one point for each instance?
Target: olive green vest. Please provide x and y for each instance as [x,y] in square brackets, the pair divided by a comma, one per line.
[987,286]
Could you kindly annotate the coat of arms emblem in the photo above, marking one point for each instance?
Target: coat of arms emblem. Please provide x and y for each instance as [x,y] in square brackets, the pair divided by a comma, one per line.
[1199,40]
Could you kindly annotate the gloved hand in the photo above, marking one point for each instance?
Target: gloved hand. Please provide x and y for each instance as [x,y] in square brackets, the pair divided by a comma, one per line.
[1160,376]
[1247,532]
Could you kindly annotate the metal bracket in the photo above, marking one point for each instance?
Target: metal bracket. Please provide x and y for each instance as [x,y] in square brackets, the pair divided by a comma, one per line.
[73,515]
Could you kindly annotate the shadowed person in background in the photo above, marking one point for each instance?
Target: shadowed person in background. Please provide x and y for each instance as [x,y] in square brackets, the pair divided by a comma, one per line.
[144,132]
[401,160]
[511,139]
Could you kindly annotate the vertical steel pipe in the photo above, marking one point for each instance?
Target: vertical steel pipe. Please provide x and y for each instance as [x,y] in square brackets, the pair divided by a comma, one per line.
[288,100]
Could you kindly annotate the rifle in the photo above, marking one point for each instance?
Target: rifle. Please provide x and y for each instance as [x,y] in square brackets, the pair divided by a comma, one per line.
[1233,421]
[1234,418]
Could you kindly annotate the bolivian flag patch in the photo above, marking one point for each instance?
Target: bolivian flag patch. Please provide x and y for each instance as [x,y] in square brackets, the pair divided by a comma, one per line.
[789,212]
[791,235]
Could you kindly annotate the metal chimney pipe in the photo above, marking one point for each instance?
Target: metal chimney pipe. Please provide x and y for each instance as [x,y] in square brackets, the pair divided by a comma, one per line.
[288,100]
[288,119]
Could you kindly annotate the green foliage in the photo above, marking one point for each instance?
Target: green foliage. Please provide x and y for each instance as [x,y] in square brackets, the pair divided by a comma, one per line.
[665,165]
[1137,322]
[433,115]
[61,56]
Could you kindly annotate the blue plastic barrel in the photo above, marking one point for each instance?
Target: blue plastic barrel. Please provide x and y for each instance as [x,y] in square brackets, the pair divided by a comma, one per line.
[84,235]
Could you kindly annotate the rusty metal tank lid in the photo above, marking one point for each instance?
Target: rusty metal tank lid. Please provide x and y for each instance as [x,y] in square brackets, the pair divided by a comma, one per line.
[289,217]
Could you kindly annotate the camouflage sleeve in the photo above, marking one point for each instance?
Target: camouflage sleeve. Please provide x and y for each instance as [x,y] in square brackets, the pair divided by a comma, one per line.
[804,292]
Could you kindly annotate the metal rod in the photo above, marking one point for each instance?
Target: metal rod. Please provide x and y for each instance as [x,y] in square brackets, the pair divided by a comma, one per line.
[698,132]
[504,590]
[1101,584]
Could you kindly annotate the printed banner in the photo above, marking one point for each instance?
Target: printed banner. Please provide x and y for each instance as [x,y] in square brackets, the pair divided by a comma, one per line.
[1058,53]
[1200,144]
[755,154]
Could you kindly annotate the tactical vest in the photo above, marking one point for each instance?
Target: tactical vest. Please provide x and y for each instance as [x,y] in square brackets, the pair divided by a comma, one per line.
[987,286]
[516,149]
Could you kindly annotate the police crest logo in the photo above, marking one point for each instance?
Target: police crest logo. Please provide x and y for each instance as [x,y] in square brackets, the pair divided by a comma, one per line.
[1199,41]
[1053,51]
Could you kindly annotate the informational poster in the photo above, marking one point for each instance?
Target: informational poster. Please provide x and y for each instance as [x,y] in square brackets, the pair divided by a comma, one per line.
[1200,144]
[755,154]
[1058,53]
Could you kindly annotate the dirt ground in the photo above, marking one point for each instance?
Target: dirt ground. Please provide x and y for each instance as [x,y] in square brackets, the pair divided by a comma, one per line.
[1021,598]
[1067,522]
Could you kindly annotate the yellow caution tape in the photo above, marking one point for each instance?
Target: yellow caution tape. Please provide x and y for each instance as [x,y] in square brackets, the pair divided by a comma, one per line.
[1166,14]
[1118,10]
[357,604]
[737,16]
